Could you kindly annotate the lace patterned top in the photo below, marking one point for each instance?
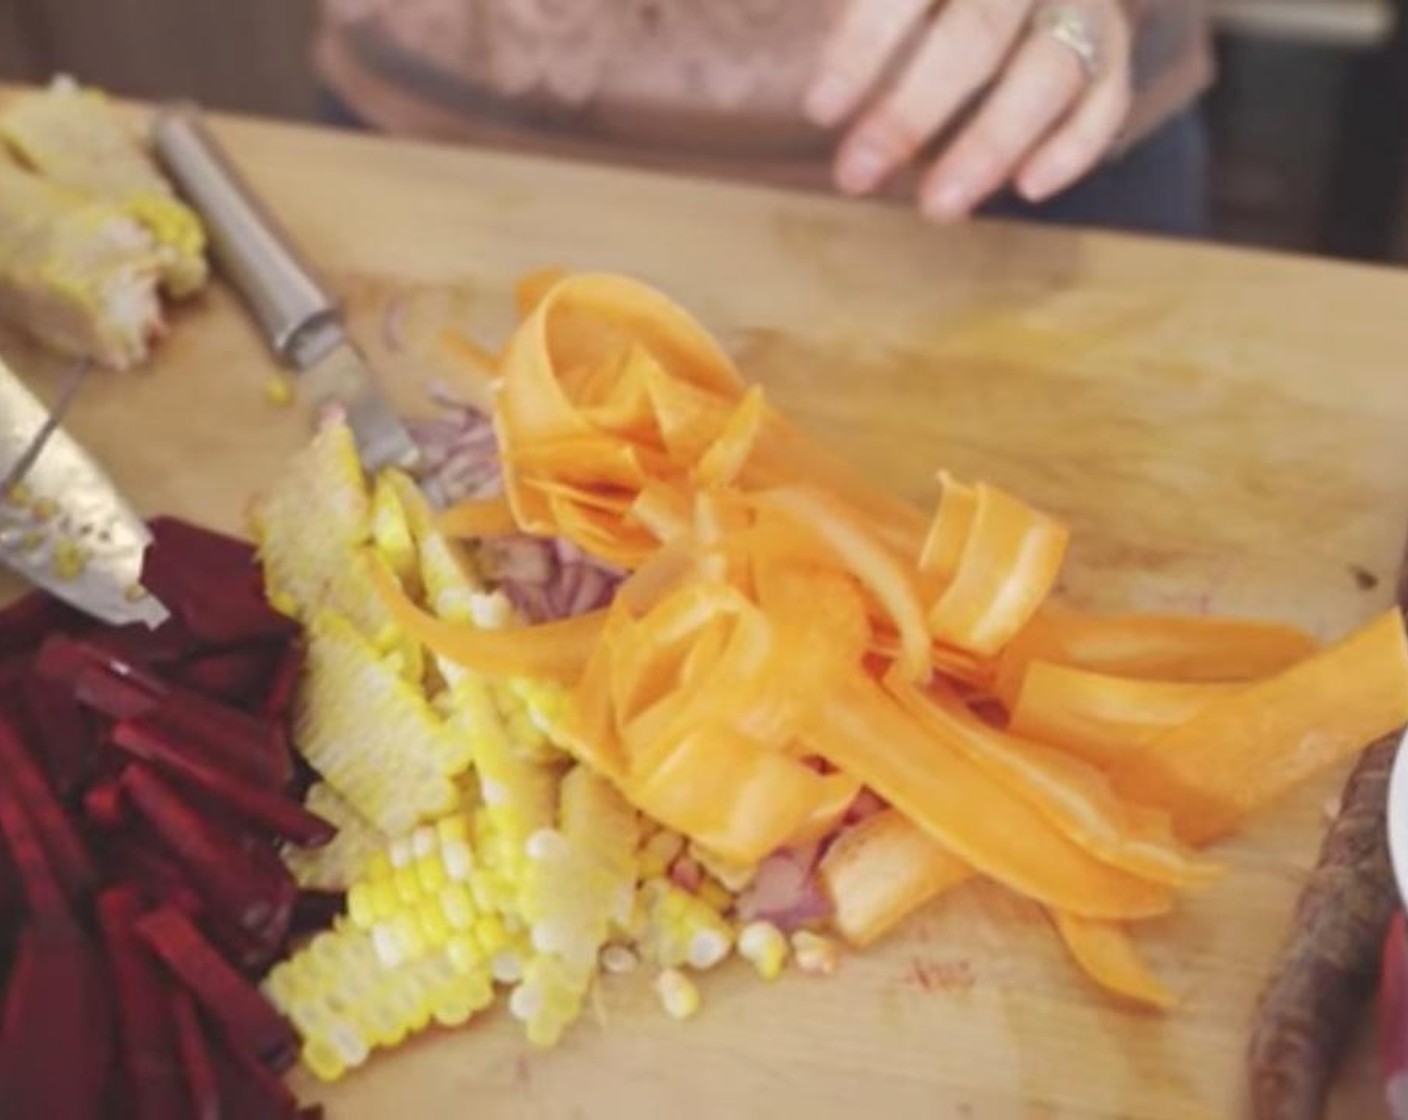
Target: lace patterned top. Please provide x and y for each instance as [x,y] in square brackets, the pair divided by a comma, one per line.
[710,84]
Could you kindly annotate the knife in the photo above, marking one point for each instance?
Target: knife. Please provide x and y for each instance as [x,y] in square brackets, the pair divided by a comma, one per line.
[63,524]
[299,318]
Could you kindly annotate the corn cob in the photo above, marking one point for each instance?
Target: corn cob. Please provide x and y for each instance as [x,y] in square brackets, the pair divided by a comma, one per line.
[371,734]
[578,890]
[75,272]
[313,527]
[336,865]
[71,137]
[677,929]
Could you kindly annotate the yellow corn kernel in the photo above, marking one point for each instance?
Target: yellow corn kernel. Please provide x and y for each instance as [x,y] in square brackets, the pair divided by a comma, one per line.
[407,883]
[814,953]
[432,922]
[464,952]
[430,874]
[383,899]
[716,895]
[278,391]
[360,908]
[763,946]
[457,906]
[491,934]
[322,1059]
[659,852]
[679,995]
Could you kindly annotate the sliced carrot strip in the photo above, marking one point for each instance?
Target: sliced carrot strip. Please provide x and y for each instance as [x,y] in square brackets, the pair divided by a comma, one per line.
[948,535]
[726,457]
[865,557]
[840,791]
[1103,718]
[880,871]
[1161,647]
[557,650]
[863,732]
[1073,796]
[735,798]
[533,286]
[1249,748]
[492,517]
[1106,954]
[1008,566]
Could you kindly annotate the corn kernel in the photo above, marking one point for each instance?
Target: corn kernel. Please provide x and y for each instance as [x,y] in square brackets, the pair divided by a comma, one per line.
[360,907]
[716,895]
[278,392]
[464,952]
[658,852]
[450,829]
[407,883]
[679,995]
[432,922]
[707,948]
[322,1059]
[430,874]
[457,905]
[491,933]
[619,959]
[763,946]
[383,900]
[813,953]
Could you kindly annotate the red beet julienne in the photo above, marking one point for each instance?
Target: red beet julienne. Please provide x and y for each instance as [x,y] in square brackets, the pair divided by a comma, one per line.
[226,876]
[250,1024]
[59,841]
[274,812]
[196,1061]
[148,1032]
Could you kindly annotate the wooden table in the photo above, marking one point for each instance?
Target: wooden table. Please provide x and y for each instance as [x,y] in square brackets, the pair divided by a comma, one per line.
[1224,430]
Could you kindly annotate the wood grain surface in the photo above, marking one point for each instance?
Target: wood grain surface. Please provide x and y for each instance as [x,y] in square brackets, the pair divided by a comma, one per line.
[1225,432]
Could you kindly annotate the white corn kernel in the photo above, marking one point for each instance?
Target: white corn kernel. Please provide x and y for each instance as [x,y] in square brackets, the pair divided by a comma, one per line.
[763,946]
[678,994]
[814,953]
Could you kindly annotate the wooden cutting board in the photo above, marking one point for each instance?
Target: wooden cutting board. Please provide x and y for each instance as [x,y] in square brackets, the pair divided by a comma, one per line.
[1224,430]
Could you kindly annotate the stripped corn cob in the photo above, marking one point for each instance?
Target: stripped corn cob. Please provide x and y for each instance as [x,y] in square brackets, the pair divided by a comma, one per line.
[75,272]
[337,864]
[313,527]
[579,888]
[679,929]
[71,137]
[345,1001]
[371,734]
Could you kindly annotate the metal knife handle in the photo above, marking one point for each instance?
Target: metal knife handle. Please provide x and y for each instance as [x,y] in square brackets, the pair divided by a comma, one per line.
[255,252]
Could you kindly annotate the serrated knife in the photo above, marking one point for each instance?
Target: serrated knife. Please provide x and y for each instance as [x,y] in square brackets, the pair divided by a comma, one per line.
[64,526]
[299,318]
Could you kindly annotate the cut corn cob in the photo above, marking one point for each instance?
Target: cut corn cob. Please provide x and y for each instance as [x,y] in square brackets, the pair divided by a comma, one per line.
[337,864]
[346,1001]
[680,929]
[71,137]
[312,521]
[371,734]
[313,527]
[75,272]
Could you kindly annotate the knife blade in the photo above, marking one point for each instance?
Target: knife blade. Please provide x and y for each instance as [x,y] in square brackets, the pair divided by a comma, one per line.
[64,526]
[299,318]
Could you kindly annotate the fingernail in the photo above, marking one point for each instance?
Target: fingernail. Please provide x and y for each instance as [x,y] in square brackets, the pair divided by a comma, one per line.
[861,166]
[827,101]
[1036,186]
[947,201]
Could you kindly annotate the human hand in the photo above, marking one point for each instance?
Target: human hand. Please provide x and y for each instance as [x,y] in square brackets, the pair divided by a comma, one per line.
[1046,110]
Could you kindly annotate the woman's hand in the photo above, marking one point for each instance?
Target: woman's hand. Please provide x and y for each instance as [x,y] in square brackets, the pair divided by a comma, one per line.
[1044,114]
